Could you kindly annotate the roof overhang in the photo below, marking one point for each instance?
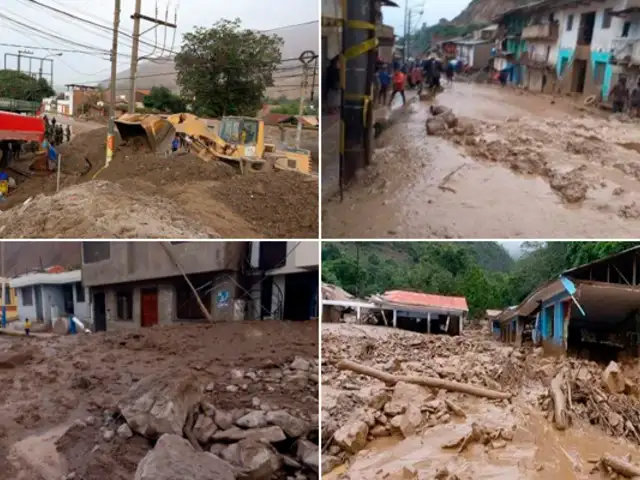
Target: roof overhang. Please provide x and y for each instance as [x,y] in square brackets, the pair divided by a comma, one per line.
[605,302]
[42,278]
[532,302]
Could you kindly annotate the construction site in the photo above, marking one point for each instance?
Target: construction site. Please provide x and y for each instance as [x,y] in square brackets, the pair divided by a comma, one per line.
[156,362]
[148,191]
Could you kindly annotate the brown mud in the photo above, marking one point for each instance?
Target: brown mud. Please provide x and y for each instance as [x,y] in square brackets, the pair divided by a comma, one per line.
[514,439]
[181,195]
[60,389]
[517,165]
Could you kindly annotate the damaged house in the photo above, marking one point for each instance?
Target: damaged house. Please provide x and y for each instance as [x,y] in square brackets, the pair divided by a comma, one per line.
[591,311]
[415,311]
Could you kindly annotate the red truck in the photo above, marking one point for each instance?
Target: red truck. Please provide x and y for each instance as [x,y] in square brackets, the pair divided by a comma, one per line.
[20,127]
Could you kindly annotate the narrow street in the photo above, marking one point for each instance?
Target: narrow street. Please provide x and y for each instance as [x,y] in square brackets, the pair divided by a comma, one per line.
[521,166]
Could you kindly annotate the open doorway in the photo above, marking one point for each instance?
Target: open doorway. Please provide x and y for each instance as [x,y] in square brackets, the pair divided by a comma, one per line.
[300,295]
[579,76]
[67,295]
[99,312]
[587,24]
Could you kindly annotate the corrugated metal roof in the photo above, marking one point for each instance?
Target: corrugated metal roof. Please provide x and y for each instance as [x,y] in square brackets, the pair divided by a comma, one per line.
[426,300]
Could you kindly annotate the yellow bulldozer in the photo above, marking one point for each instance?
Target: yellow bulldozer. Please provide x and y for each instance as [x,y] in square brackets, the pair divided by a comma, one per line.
[239,140]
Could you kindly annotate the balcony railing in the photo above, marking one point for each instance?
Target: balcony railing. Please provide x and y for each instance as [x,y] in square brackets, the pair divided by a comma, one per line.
[547,31]
[625,50]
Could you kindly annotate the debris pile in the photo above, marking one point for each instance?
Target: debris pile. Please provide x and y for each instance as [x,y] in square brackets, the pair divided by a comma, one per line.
[224,401]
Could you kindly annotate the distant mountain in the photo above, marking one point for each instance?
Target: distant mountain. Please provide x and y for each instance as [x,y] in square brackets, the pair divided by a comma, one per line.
[484,11]
[297,39]
[22,257]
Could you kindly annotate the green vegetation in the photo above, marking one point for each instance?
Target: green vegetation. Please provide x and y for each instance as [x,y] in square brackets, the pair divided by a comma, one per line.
[161,98]
[225,69]
[20,86]
[483,272]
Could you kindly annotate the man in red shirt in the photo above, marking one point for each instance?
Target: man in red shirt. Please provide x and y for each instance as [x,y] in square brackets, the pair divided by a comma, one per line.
[399,79]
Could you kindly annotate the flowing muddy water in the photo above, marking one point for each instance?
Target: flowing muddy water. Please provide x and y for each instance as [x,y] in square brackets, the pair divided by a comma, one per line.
[537,451]
[528,168]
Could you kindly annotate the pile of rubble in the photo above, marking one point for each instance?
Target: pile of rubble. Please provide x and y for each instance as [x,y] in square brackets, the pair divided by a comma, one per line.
[195,439]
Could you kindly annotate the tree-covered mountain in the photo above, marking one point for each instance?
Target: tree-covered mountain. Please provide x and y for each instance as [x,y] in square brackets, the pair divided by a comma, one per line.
[483,272]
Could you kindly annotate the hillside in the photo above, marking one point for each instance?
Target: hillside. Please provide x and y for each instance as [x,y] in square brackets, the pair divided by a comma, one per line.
[297,39]
[21,257]
[484,11]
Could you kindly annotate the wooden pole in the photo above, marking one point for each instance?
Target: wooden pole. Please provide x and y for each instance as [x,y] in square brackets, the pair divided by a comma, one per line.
[426,381]
[204,310]
[58,173]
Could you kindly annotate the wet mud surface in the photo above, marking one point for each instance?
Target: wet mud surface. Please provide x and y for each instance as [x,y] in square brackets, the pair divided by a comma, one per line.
[521,444]
[53,386]
[517,165]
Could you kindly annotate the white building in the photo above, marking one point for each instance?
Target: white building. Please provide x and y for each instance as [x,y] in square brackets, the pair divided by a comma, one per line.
[43,296]
[289,283]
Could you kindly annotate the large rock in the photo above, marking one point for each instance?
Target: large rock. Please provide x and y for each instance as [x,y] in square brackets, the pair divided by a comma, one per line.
[255,419]
[352,437]
[292,426]
[329,462]
[271,434]
[374,397]
[160,403]
[613,379]
[410,421]
[174,458]
[204,429]
[223,419]
[436,125]
[308,453]
[257,461]
[405,394]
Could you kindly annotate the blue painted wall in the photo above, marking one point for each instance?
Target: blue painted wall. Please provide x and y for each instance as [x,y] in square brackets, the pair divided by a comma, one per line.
[558,327]
[565,54]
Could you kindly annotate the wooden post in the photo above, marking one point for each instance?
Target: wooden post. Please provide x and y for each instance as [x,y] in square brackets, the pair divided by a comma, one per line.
[428,322]
[395,318]
[58,173]
[358,315]
[635,256]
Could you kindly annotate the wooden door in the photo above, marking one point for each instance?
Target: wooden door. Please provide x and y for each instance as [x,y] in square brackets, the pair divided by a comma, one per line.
[149,307]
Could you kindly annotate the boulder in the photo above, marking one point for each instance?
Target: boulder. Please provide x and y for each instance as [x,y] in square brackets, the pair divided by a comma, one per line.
[450,119]
[160,403]
[255,419]
[436,125]
[204,429]
[405,394]
[374,397]
[292,426]
[223,419]
[410,421]
[308,453]
[352,437]
[173,457]
[271,434]
[329,462]
[300,364]
[256,460]
[613,379]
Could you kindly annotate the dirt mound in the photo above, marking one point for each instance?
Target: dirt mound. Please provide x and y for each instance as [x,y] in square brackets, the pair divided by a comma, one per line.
[100,209]
[91,146]
[281,203]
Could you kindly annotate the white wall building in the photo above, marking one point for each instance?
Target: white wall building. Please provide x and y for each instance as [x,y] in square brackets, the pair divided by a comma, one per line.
[45,296]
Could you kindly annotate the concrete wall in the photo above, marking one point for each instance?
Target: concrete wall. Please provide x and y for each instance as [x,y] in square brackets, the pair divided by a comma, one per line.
[52,302]
[558,328]
[137,261]
[26,311]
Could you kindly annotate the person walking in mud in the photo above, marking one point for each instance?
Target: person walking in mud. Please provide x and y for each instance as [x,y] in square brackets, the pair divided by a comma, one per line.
[27,326]
[67,133]
[635,101]
[619,95]
[16,148]
[399,79]
[449,72]
[384,78]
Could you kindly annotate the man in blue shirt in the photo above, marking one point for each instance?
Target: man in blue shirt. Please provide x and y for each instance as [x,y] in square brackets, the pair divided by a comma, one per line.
[384,78]
[175,144]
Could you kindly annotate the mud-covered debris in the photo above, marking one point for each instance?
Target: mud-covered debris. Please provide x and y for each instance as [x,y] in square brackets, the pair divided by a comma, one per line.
[572,186]
[613,379]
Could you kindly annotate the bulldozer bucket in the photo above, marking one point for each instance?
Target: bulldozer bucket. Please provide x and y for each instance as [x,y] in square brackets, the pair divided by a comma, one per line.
[157,131]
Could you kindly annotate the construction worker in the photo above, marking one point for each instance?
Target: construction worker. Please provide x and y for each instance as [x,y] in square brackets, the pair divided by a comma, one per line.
[59,135]
[27,326]
[67,132]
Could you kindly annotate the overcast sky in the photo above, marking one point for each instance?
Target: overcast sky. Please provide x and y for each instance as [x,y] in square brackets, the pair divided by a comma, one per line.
[513,247]
[82,68]
[433,11]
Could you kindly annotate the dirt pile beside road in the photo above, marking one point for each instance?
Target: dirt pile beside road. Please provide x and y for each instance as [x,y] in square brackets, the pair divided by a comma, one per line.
[282,204]
[100,209]
[230,385]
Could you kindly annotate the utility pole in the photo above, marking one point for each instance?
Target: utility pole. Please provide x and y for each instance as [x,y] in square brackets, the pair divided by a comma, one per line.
[408,47]
[406,30]
[137,17]
[4,304]
[305,58]
[134,56]
[112,87]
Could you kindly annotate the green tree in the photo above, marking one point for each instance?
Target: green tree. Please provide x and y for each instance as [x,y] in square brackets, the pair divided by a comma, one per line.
[20,86]
[226,69]
[161,98]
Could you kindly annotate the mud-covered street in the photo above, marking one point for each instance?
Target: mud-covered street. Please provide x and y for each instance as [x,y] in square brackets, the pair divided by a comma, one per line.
[516,165]
[93,406]
[408,431]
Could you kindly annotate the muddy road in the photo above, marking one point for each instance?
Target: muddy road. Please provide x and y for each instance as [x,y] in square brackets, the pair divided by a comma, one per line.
[57,390]
[519,166]
[397,442]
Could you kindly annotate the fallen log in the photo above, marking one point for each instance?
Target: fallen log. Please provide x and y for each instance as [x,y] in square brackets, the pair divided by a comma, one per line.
[448,385]
[621,466]
[559,399]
